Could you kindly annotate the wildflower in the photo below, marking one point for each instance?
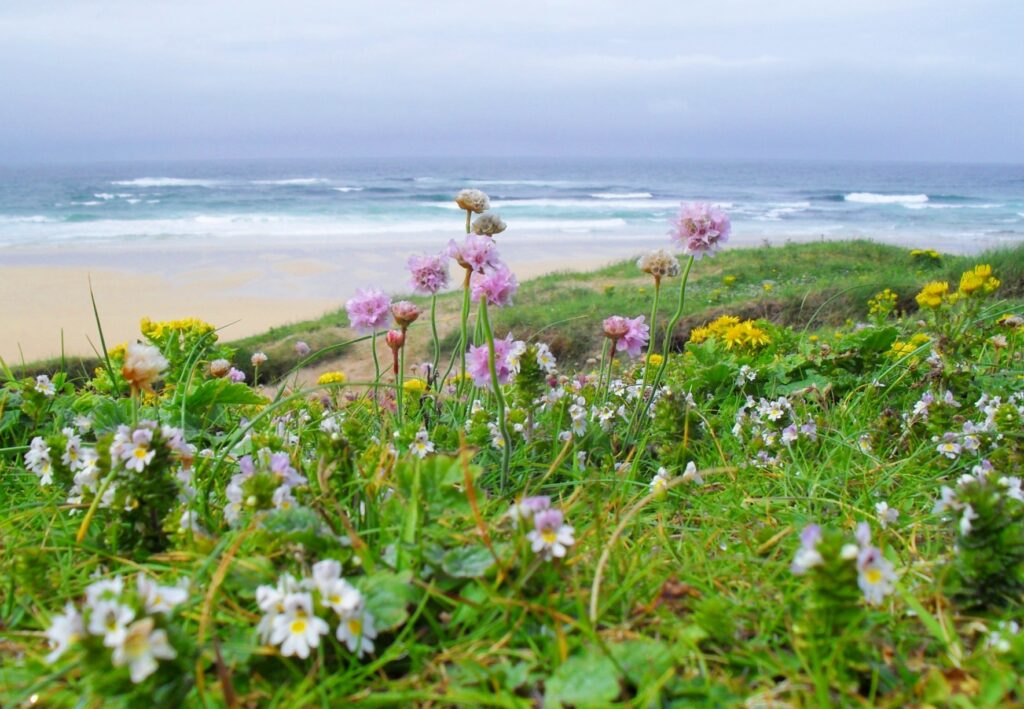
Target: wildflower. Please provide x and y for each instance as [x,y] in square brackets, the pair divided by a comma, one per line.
[729,279]
[527,507]
[64,629]
[505,353]
[414,386]
[550,537]
[545,359]
[297,629]
[496,285]
[368,310]
[691,474]
[488,225]
[357,630]
[421,444]
[44,386]
[660,264]
[790,434]
[997,639]
[807,556]
[37,459]
[301,348]
[473,201]
[886,515]
[476,253]
[331,378]
[429,273]
[655,359]
[628,335]
[143,366]
[157,598]
[258,359]
[141,648]
[875,574]
[138,453]
[236,376]
[110,619]
[966,520]
[220,368]
[659,483]
[700,229]
[950,449]
[395,339]
[933,294]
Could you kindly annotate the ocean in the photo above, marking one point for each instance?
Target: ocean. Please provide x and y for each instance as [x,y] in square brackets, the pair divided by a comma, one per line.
[344,200]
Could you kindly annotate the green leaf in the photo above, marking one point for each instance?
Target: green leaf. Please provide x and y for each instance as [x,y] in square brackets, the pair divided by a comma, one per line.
[586,680]
[467,562]
[388,596]
[644,661]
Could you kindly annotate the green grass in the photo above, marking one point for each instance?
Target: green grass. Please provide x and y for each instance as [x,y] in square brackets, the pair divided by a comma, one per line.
[676,599]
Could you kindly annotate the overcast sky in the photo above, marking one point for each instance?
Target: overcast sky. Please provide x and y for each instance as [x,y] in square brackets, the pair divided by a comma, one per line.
[874,79]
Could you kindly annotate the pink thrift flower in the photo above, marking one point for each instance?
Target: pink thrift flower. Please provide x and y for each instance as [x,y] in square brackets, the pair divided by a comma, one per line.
[301,348]
[236,376]
[616,327]
[368,310]
[700,229]
[636,337]
[506,361]
[429,273]
[497,285]
[405,313]
[475,253]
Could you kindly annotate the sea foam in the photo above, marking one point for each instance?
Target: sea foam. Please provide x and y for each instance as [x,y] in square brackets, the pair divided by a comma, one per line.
[166,182]
[873,198]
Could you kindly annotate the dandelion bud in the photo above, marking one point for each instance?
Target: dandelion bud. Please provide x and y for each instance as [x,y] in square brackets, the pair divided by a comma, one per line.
[489,225]
[143,365]
[395,339]
[220,368]
[405,313]
[258,359]
[473,201]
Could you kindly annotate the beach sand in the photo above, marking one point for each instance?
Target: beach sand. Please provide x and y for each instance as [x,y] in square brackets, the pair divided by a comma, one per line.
[248,288]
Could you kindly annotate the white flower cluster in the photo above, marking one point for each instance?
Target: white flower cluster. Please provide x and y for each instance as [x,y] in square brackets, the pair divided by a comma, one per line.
[122,622]
[268,471]
[981,475]
[291,610]
[771,424]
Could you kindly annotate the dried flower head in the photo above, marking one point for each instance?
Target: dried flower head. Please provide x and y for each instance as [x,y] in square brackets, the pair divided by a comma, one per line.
[220,368]
[473,201]
[488,225]
[659,263]
[143,366]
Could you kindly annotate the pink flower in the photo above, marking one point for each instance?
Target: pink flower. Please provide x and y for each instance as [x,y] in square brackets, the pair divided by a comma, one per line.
[405,313]
[700,229]
[395,339]
[630,335]
[236,376]
[301,348]
[506,361]
[475,253]
[497,285]
[429,273]
[368,310]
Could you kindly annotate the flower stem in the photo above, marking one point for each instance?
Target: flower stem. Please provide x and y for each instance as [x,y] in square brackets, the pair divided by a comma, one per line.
[463,335]
[654,329]
[469,216]
[376,378]
[437,342]
[499,396]
[399,389]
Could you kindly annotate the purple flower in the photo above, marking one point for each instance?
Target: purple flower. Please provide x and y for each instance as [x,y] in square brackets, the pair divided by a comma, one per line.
[429,273]
[475,253]
[235,375]
[368,310]
[497,285]
[506,361]
[807,556]
[301,348]
[700,229]
[551,537]
[630,335]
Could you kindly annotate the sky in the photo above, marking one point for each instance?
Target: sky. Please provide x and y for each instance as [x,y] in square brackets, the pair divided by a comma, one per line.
[939,80]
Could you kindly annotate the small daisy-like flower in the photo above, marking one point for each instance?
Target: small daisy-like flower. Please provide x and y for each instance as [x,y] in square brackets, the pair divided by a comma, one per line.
[141,648]
[297,629]
[551,537]
[143,366]
[967,519]
[950,449]
[104,590]
[110,620]
[44,386]
[807,556]
[139,453]
[691,474]
[37,459]
[545,360]
[357,629]
[875,574]
[157,598]
[421,445]
[64,629]
[659,483]
[790,434]
[886,515]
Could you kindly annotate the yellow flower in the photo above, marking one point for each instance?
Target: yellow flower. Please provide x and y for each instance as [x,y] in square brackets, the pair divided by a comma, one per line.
[919,338]
[932,295]
[970,282]
[119,352]
[767,286]
[754,336]
[983,270]
[655,360]
[813,338]
[414,386]
[901,349]
[332,378]
[699,334]
[734,336]
[728,280]
[883,303]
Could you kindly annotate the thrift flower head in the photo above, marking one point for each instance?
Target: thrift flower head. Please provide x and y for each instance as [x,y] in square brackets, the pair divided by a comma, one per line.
[615,327]
[429,273]
[236,375]
[475,253]
[700,229]
[143,366]
[220,368]
[659,263]
[258,359]
[497,285]
[301,348]
[473,201]
[550,537]
[488,225]
[506,361]
[405,313]
[395,339]
[368,310]
[630,335]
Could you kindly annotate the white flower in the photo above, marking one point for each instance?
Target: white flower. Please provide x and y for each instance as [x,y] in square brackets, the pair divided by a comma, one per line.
[297,630]
[357,630]
[691,474]
[997,639]
[104,590]
[968,517]
[37,459]
[550,537]
[421,445]
[141,648]
[44,386]
[950,449]
[488,225]
[659,482]
[886,514]
[875,575]
[849,551]
[64,629]
[110,619]
[258,359]
[159,599]
[83,423]
[143,365]
[72,449]
[545,360]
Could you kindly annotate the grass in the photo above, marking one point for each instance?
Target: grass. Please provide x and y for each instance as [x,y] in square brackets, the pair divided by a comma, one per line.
[677,596]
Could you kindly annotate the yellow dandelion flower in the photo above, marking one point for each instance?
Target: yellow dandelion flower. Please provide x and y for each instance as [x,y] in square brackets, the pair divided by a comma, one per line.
[933,294]
[753,336]
[415,386]
[699,334]
[332,378]
[735,336]
[970,283]
[655,360]
[983,270]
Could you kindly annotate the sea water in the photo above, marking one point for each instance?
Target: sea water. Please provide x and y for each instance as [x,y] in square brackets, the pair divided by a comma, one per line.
[270,202]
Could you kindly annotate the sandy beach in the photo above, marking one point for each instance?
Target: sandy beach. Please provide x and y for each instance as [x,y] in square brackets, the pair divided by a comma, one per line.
[248,288]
